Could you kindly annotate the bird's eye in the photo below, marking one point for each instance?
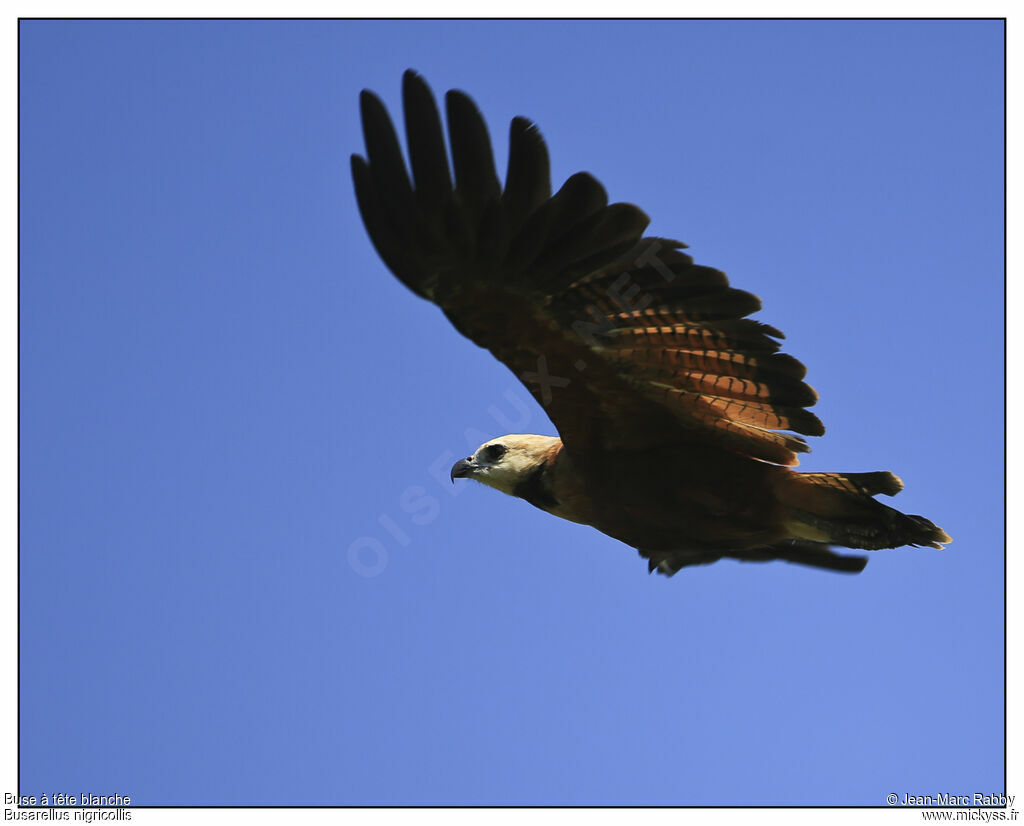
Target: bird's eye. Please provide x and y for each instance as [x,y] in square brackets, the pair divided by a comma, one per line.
[494,452]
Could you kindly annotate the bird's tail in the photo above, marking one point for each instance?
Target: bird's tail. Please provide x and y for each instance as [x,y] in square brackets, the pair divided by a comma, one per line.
[838,508]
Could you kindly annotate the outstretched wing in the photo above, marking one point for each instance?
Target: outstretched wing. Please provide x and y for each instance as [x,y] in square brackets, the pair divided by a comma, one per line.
[623,339]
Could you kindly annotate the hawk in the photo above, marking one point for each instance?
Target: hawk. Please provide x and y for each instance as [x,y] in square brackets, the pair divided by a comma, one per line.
[678,418]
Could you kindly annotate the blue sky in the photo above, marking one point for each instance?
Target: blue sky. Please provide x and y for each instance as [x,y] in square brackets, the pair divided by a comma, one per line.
[245,577]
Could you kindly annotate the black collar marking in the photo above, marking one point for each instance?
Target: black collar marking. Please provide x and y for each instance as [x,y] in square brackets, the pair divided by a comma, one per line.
[534,491]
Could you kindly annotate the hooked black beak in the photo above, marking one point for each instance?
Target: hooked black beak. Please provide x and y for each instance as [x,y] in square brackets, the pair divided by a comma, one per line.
[463,468]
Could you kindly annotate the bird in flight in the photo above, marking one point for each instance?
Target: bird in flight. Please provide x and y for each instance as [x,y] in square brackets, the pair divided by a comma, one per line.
[677,416]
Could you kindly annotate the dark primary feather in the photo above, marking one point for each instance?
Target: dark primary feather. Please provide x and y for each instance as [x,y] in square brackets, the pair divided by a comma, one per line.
[527,182]
[476,180]
[427,153]
[648,347]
